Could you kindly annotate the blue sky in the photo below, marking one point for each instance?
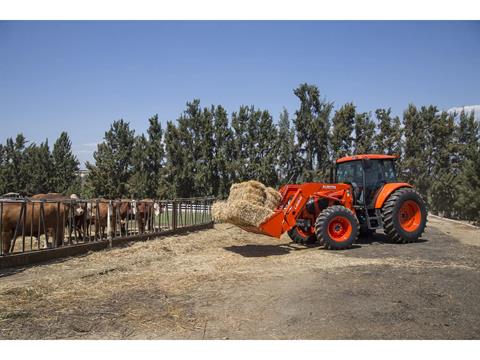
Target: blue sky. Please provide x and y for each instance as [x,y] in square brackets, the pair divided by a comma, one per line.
[80,76]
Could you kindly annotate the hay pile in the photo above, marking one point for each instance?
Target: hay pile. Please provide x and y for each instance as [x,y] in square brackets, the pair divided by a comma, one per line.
[249,204]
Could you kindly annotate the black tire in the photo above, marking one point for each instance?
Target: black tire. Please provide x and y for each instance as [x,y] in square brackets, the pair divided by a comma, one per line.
[322,227]
[298,238]
[391,215]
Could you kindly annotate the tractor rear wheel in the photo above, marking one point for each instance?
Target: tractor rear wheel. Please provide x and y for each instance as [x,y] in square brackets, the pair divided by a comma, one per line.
[337,227]
[404,215]
[300,237]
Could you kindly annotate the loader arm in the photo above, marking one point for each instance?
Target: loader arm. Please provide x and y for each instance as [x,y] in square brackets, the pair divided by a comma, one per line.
[294,198]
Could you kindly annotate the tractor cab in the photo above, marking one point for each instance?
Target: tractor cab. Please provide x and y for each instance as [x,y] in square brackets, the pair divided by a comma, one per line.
[367,174]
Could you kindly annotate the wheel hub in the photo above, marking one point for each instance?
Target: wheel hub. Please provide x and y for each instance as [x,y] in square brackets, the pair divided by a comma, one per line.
[339,228]
[409,216]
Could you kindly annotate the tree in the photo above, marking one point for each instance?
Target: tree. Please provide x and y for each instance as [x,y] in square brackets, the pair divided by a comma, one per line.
[289,164]
[148,163]
[155,159]
[343,123]
[113,162]
[440,149]
[414,162]
[467,185]
[38,163]
[312,124]
[137,183]
[364,133]
[223,153]
[65,165]
[265,154]
[389,136]
[175,160]
[15,174]
[241,144]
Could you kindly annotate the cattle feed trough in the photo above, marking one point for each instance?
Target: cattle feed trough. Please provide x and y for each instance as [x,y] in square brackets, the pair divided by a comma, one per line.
[48,222]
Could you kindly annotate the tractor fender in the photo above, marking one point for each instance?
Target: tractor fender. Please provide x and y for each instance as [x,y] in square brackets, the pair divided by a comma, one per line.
[386,191]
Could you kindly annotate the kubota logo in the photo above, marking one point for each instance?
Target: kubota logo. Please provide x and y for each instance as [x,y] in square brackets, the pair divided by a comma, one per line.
[329,187]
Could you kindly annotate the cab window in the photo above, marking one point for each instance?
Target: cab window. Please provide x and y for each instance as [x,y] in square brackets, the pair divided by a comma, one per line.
[350,172]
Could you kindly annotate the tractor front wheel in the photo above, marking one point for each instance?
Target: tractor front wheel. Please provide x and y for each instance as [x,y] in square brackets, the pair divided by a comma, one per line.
[404,215]
[300,237]
[337,227]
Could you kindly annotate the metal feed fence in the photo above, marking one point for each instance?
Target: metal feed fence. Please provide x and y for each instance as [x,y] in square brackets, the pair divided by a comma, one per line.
[32,225]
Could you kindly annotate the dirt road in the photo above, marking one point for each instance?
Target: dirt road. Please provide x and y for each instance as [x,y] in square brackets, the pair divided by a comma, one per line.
[226,283]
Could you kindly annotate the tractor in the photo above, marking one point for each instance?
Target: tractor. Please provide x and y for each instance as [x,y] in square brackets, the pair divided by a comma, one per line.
[364,197]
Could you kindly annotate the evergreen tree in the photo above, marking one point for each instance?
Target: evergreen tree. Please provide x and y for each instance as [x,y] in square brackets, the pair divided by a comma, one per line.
[289,163]
[155,159]
[414,164]
[343,123]
[312,125]
[204,144]
[137,183]
[266,150]
[175,160]
[113,162]
[38,163]
[467,185]
[148,163]
[364,133]
[15,175]
[223,153]
[65,165]
[440,150]
[241,144]
[389,136]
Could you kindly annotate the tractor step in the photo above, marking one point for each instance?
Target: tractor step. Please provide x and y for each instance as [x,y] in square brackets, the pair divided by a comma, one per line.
[374,221]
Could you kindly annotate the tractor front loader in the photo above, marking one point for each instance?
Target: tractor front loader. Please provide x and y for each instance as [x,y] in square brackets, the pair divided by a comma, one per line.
[365,197]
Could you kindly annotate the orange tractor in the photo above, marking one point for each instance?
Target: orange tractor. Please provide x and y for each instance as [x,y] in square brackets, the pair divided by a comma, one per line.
[366,196]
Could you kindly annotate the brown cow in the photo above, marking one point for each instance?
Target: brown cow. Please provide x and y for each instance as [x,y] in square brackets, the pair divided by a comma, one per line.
[99,215]
[31,223]
[146,210]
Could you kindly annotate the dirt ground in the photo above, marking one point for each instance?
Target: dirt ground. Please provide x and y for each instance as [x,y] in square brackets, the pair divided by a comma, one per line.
[225,283]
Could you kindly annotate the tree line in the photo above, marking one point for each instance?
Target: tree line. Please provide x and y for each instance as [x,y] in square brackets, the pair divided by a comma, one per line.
[207,149]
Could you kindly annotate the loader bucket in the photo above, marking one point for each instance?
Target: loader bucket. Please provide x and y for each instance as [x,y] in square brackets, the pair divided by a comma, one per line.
[272,226]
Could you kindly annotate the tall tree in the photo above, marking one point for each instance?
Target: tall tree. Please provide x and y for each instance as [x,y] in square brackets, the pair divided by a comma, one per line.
[38,163]
[137,183]
[148,158]
[440,149]
[467,185]
[342,131]
[312,124]
[223,153]
[65,165]
[175,160]
[113,162]
[364,133]
[15,174]
[266,150]
[289,163]
[241,144]
[414,167]
[388,139]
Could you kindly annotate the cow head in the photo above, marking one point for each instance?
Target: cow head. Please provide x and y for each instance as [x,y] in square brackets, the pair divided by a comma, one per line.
[78,209]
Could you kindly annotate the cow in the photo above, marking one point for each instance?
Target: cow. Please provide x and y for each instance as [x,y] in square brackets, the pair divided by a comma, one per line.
[99,213]
[24,218]
[144,211]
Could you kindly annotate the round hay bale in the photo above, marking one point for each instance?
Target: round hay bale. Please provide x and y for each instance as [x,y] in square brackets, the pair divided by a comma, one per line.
[273,198]
[248,193]
[241,212]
